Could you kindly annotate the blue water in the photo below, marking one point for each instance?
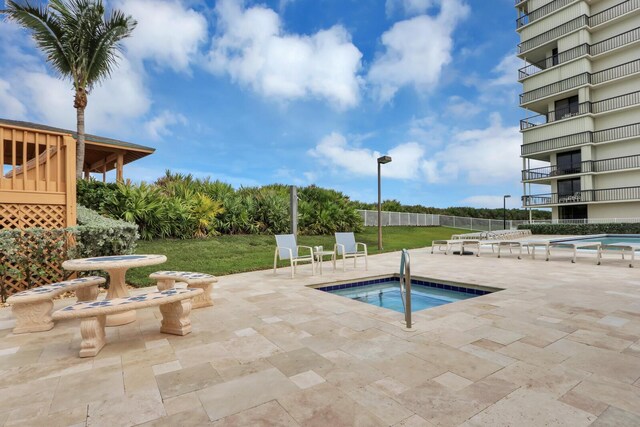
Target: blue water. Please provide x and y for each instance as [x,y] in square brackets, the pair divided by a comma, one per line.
[609,239]
[387,295]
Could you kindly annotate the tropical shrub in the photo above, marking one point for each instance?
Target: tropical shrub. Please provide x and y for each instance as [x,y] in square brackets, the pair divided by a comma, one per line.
[92,193]
[582,229]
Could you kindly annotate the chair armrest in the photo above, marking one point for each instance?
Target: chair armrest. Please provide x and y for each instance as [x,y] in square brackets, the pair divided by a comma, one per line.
[335,249]
[363,245]
[278,248]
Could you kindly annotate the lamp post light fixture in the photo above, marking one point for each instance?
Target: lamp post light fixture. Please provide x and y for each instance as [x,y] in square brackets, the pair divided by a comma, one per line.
[381,161]
[504,210]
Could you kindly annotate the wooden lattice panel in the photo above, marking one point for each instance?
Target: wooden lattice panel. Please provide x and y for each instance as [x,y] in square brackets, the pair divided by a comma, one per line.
[29,216]
[41,273]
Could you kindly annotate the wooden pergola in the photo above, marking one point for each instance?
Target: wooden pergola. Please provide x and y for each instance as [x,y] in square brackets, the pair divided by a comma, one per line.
[38,174]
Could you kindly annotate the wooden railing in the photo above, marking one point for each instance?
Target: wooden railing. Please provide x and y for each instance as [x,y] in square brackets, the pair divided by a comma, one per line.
[37,183]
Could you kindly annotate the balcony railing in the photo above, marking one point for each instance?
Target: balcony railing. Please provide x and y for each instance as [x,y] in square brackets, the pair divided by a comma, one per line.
[588,137]
[611,43]
[541,11]
[586,78]
[604,165]
[582,20]
[584,196]
[608,104]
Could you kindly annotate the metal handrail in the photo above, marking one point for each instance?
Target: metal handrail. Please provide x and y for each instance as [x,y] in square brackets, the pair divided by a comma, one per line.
[405,285]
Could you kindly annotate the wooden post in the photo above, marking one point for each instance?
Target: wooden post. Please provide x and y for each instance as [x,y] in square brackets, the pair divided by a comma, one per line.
[70,171]
[119,164]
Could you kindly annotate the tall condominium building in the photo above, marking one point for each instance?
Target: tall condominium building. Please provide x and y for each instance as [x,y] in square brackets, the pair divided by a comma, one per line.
[581,87]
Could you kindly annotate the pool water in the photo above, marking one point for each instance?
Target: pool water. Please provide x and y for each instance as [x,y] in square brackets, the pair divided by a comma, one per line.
[424,295]
[609,239]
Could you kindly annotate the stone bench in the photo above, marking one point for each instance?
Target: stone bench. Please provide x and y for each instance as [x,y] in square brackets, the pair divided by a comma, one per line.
[32,308]
[175,306]
[168,279]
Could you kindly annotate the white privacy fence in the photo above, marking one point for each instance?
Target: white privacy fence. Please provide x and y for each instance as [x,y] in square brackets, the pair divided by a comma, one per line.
[391,219]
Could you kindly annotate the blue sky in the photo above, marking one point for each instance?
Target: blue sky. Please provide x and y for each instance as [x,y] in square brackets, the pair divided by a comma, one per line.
[304,92]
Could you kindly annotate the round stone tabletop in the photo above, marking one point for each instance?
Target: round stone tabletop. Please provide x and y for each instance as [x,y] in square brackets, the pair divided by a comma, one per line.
[113,262]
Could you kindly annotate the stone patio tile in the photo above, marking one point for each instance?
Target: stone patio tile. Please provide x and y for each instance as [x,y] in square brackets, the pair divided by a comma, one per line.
[156,343]
[303,404]
[247,349]
[342,413]
[298,361]
[350,376]
[145,358]
[102,384]
[452,381]
[615,417]
[9,350]
[619,367]
[487,344]
[528,408]
[390,386]
[457,361]
[532,354]
[163,368]
[246,332]
[64,418]
[489,355]
[187,379]
[184,402]
[127,410]
[284,335]
[20,358]
[614,393]
[271,319]
[584,402]
[242,393]
[269,414]
[414,421]
[499,335]
[599,339]
[107,361]
[195,417]
[614,321]
[230,369]
[379,404]
[307,379]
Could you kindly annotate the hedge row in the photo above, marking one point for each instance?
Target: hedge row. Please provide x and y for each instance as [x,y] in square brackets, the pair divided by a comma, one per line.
[33,257]
[581,229]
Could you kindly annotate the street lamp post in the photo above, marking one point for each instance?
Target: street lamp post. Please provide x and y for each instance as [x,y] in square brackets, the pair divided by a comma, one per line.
[381,161]
[504,210]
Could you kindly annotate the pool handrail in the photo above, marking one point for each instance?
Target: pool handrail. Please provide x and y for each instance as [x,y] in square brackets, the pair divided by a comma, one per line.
[405,285]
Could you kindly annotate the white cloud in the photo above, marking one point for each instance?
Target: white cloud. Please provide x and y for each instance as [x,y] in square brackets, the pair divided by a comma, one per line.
[10,106]
[507,70]
[492,202]
[416,50]
[478,156]
[252,47]
[159,126]
[409,7]
[482,156]
[334,150]
[167,33]
[462,108]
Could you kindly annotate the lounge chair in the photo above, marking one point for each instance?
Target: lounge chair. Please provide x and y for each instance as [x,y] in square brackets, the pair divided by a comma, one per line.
[347,247]
[619,248]
[288,249]
[575,245]
[449,244]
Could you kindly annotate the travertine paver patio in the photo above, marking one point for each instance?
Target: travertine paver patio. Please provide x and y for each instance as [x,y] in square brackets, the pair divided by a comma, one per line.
[559,346]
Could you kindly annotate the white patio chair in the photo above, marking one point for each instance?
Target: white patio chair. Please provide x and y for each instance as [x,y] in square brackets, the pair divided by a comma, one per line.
[347,247]
[288,249]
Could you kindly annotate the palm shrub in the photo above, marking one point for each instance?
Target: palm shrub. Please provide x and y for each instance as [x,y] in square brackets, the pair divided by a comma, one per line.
[325,211]
[93,193]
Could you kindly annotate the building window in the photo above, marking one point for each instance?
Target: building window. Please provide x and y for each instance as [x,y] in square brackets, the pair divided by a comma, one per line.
[568,163]
[566,107]
[554,56]
[572,212]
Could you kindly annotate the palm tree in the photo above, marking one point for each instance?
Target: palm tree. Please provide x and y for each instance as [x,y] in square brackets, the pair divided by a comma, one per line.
[79,42]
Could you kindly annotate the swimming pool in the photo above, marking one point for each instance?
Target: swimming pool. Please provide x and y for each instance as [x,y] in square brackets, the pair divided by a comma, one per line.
[385,293]
[607,239]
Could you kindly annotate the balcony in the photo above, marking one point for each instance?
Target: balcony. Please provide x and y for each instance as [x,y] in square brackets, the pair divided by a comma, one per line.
[582,138]
[581,21]
[588,166]
[584,196]
[609,104]
[609,44]
[583,79]
[541,11]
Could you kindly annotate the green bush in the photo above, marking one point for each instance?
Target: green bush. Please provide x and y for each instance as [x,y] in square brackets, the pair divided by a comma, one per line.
[34,256]
[581,229]
[92,193]
[97,235]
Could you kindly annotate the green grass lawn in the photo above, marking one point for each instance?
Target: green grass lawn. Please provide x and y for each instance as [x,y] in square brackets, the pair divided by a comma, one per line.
[234,254]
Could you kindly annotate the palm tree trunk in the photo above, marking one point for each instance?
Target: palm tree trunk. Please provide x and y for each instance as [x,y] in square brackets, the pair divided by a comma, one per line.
[80,142]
